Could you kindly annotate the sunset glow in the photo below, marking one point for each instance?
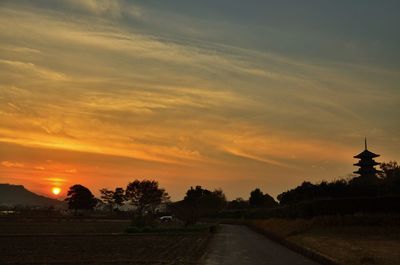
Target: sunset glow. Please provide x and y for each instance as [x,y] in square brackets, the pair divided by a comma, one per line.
[231,95]
[56,190]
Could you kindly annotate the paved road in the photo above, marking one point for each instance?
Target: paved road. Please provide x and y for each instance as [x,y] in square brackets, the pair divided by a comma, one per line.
[238,245]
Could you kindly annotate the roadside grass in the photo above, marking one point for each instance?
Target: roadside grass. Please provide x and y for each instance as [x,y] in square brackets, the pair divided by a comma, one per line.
[360,245]
[350,240]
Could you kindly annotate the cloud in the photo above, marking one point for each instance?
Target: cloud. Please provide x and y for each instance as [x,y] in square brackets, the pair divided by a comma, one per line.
[112,8]
[23,50]
[87,79]
[71,171]
[97,7]
[253,157]
[12,164]
[27,68]
[104,78]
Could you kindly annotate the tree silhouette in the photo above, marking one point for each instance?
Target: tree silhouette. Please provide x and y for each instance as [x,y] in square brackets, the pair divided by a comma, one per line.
[199,202]
[107,198]
[80,198]
[258,199]
[391,177]
[113,198]
[238,203]
[388,183]
[145,195]
[119,197]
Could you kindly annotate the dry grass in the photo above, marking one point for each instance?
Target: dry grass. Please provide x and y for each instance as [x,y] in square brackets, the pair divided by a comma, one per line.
[283,227]
[348,244]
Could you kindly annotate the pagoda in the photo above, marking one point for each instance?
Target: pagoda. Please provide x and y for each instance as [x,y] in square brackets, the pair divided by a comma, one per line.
[367,164]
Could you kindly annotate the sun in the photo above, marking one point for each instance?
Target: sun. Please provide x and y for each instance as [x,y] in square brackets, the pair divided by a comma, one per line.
[55,190]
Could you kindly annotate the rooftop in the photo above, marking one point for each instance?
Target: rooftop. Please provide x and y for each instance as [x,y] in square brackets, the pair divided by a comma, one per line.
[366,153]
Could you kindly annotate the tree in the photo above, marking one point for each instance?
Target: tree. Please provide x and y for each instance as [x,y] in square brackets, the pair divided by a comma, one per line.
[119,197]
[145,195]
[259,199]
[391,177]
[199,202]
[107,198]
[256,198]
[238,203]
[388,183]
[113,198]
[269,202]
[390,170]
[80,198]
[219,200]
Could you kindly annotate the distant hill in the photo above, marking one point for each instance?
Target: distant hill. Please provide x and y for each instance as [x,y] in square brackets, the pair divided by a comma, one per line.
[18,195]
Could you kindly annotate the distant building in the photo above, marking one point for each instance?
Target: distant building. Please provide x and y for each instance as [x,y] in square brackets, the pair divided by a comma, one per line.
[367,171]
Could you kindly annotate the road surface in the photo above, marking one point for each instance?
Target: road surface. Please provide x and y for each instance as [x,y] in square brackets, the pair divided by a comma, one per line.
[238,245]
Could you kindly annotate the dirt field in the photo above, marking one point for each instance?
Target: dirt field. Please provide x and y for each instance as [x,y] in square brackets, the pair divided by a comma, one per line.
[93,242]
[60,226]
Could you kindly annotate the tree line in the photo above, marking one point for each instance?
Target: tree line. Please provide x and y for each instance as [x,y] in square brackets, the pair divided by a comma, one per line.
[146,196]
[387,183]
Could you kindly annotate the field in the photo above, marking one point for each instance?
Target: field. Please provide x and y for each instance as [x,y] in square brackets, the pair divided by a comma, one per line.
[69,241]
[343,241]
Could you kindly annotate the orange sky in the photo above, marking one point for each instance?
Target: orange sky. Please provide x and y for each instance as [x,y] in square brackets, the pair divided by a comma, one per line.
[103,92]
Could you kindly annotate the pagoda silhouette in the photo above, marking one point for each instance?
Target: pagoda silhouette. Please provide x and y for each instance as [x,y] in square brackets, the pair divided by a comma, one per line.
[367,171]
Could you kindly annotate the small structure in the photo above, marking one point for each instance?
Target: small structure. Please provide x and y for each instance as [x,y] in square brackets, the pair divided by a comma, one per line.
[367,171]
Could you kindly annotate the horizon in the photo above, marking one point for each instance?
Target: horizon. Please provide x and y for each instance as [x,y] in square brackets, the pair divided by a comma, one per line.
[225,94]
[61,195]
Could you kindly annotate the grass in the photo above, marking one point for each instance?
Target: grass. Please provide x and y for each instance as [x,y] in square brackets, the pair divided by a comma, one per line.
[351,240]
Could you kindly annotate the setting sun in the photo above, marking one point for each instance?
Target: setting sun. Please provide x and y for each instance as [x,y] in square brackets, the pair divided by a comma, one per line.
[56,190]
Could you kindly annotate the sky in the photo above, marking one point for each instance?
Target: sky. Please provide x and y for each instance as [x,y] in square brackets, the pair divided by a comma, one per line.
[223,94]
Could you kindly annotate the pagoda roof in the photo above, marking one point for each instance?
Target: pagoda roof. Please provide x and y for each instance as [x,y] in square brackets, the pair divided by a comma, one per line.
[367,171]
[363,163]
[366,154]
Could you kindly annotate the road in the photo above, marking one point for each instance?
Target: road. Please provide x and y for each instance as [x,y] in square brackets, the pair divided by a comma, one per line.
[238,245]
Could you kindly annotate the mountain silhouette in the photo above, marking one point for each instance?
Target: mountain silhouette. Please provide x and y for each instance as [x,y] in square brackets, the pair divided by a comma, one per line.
[18,195]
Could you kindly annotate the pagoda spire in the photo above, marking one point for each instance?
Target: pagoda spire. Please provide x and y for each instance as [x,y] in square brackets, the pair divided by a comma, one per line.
[366,163]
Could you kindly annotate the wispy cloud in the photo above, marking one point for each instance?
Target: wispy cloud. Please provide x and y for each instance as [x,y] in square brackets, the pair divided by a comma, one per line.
[71,171]
[12,164]
[103,77]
